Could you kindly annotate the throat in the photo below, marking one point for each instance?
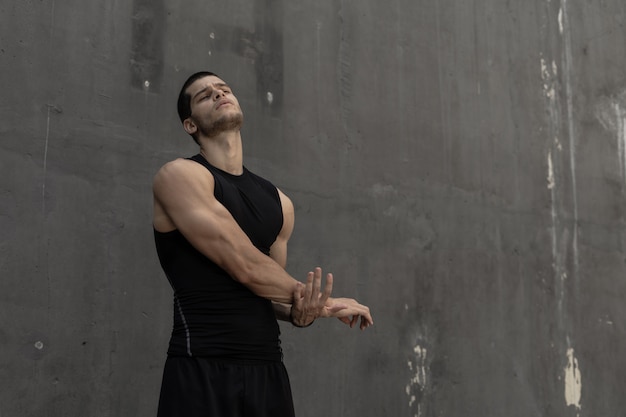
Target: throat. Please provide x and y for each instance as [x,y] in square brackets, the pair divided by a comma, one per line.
[231,162]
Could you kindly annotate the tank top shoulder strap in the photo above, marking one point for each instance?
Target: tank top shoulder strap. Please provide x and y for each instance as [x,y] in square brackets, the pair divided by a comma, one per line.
[202,161]
[214,172]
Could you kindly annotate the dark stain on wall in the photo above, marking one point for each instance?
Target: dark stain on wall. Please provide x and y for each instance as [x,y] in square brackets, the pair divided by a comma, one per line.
[269,44]
[262,46]
[148,22]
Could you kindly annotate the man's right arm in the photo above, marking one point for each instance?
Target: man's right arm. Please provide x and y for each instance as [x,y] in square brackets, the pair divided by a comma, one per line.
[184,200]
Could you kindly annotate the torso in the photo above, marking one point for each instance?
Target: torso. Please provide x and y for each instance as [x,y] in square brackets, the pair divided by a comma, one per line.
[214,315]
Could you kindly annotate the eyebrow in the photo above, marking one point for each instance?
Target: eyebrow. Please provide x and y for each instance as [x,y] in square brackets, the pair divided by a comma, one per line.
[205,88]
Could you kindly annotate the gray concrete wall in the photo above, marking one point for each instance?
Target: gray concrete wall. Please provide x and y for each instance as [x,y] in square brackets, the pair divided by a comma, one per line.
[459,166]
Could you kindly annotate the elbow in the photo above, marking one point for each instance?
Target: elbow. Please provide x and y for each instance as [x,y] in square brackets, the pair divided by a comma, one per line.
[244,278]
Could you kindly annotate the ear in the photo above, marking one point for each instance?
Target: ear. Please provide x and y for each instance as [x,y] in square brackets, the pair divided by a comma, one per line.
[189,126]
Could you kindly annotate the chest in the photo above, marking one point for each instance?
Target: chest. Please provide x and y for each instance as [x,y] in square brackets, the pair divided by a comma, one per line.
[254,205]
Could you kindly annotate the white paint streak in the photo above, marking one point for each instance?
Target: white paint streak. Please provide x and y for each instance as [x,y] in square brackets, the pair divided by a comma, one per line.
[420,375]
[621,142]
[548,75]
[573,381]
[620,130]
[571,131]
[419,380]
[620,137]
[549,72]
[550,172]
[553,214]
[548,79]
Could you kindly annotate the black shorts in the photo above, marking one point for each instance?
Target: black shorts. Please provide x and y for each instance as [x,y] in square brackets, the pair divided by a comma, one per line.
[199,387]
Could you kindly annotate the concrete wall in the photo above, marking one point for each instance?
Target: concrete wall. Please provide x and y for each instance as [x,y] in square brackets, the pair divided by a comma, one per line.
[459,165]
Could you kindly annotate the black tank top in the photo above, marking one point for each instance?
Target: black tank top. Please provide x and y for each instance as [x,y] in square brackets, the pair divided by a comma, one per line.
[214,315]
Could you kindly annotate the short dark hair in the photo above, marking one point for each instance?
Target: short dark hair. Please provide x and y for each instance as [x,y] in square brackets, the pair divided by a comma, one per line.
[184,98]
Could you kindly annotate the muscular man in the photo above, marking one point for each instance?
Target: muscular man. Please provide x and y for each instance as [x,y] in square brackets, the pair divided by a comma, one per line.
[221,234]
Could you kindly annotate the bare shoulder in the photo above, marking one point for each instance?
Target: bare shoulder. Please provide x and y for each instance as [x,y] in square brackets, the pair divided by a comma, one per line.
[175,168]
[181,173]
[180,187]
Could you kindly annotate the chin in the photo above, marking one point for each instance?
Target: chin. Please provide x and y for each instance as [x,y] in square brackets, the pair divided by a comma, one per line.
[224,124]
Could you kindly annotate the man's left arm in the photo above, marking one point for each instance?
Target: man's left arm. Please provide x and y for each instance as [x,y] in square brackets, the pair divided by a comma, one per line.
[311,302]
[278,251]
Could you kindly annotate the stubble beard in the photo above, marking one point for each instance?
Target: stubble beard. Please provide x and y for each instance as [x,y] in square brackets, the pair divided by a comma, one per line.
[223,124]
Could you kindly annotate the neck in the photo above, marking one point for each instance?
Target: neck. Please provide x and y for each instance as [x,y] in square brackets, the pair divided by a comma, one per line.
[224,151]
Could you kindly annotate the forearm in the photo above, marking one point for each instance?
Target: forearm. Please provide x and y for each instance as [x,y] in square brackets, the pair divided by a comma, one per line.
[229,247]
[262,275]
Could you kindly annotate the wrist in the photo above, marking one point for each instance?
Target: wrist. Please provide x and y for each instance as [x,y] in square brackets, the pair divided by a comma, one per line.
[296,324]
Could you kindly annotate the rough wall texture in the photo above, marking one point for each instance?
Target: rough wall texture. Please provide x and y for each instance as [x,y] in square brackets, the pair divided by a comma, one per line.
[459,166]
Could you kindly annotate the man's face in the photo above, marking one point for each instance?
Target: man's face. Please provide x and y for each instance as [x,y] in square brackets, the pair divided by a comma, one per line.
[214,108]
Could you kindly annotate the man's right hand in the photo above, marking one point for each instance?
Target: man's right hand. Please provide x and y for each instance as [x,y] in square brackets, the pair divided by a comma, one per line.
[309,303]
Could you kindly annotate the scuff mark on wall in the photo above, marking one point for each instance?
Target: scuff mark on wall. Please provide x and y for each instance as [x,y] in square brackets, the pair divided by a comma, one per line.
[611,112]
[549,73]
[417,384]
[146,62]
[566,33]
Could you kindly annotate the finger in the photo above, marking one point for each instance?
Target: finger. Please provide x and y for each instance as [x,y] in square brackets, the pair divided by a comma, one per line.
[328,288]
[317,284]
[354,320]
[336,308]
[345,320]
[297,295]
[309,286]
[368,316]
[361,310]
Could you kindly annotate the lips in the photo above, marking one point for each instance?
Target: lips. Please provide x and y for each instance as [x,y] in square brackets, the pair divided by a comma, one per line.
[222,103]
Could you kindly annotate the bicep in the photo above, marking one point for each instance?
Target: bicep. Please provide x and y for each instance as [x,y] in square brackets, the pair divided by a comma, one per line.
[278,251]
[185,192]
